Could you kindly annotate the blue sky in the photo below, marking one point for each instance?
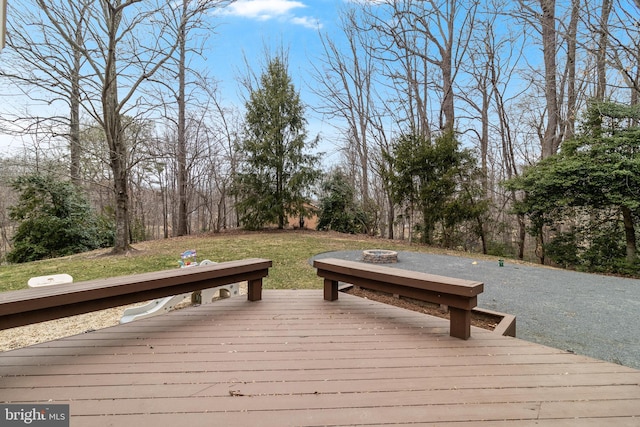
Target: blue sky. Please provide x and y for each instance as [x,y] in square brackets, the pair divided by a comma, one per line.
[247,27]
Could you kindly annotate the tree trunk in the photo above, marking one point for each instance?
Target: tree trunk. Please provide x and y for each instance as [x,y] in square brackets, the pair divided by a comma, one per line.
[601,55]
[482,233]
[390,216]
[428,226]
[448,107]
[522,234]
[629,233]
[572,96]
[74,113]
[550,140]
[484,138]
[540,245]
[118,155]
[635,86]
[182,143]
[113,130]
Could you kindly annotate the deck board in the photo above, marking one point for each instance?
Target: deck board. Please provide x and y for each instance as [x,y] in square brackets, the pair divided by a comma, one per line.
[295,359]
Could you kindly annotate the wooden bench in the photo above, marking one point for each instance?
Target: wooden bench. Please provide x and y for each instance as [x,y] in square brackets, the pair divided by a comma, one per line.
[459,295]
[26,306]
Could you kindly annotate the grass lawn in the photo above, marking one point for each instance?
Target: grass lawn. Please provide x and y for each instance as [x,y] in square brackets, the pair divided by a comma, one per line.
[289,250]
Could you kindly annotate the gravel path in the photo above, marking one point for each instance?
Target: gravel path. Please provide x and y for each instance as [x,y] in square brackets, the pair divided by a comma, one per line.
[589,314]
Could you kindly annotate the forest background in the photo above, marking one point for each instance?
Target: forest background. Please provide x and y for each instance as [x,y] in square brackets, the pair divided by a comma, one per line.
[503,127]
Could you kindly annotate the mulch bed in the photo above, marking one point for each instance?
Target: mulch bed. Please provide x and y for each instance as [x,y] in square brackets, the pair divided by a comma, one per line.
[480,320]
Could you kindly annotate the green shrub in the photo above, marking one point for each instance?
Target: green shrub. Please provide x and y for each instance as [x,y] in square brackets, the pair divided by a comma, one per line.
[54,219]
[500,249]
[564,250]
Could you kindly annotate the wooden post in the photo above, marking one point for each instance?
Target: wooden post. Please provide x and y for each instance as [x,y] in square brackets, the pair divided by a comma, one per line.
[330,290]
[459,323]
[254,290]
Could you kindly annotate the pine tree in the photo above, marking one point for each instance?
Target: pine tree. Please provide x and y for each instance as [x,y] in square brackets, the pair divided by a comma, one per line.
[276,173]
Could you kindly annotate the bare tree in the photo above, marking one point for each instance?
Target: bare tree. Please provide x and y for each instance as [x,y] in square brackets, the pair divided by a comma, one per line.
[601,52]
[114,48]
[618,28]
[189,26]
[345,82]
[438,32]
[493,58]
[481,68]
[558,30]
[223,161]
[572,91]
[551,139]
[47,67]
[123,47]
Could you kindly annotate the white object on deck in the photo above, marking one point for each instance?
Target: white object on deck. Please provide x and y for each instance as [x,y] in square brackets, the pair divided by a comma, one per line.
[226,291]
[54,279]
[164,305]
[153,308]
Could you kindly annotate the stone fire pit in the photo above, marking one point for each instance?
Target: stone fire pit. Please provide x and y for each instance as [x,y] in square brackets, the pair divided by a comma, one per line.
[379,256]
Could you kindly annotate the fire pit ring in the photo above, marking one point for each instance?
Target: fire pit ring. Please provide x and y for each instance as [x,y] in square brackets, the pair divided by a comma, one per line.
[379,256]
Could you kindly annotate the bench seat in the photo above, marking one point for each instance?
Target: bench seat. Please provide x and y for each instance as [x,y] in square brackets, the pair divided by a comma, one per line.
[459,295]
[26,306]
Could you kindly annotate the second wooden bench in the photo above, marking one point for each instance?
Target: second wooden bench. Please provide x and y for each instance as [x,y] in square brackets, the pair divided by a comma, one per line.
[459,295]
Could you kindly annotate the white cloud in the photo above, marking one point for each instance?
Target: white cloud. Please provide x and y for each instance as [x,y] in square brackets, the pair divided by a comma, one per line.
[307,21]
[264,10]
[369,2]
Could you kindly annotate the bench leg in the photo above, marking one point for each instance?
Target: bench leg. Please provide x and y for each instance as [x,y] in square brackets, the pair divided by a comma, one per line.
[460,323]
[254,290]
[330,290]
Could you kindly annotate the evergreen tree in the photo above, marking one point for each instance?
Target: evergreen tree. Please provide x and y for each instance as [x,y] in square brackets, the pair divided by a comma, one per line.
[596,175]
[276,174]
[339,210]
[54,220]
[439,180]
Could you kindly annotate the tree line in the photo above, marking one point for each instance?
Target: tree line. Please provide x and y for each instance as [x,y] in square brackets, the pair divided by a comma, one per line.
[503,127]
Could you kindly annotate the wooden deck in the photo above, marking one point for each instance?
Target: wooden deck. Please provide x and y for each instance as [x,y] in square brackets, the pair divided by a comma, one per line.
[295,359]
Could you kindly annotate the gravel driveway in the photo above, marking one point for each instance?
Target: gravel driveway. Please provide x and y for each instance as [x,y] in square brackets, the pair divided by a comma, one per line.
[589,314]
